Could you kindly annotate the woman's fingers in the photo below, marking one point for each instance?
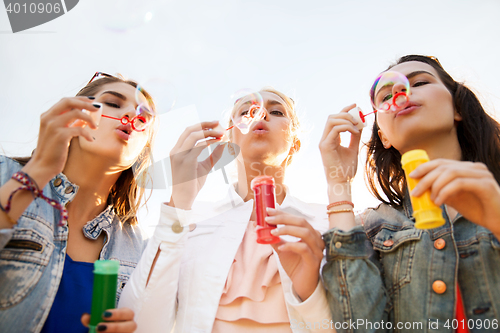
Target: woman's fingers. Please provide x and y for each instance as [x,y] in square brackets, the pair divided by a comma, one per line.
[68,103]
[121,314]
[308,237]
[343,115]
[297,227]
[79,131]
[436,174]
[212,159]
[114,320]
[454,187]
[194,128]
[333,138]
[117,327]
[70,117]
[85,319]
[301,249]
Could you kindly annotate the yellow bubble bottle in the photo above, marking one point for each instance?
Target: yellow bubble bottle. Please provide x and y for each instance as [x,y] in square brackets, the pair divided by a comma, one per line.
[427,214]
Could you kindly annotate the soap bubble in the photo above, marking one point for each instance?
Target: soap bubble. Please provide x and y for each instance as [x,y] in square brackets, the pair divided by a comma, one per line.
[162,91]
[248,109]
[390,92]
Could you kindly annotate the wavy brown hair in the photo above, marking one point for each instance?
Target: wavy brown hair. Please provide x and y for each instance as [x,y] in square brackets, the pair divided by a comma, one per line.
[478,136]
[128,192]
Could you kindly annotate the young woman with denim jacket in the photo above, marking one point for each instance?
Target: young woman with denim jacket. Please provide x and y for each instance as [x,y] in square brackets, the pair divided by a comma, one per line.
[203,270]
[88,170]
[382,274]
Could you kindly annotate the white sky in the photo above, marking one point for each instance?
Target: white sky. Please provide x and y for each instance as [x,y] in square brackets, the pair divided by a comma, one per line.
[324,54]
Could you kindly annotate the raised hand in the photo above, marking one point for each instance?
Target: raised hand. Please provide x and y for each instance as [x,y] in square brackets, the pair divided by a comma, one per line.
[340,163]
[188,174]
[468,187]
[55,135]
[301,260]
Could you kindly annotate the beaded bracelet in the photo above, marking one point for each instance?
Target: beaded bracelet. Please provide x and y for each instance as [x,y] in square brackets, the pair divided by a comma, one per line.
[28,184]
[349,210]
[339,203]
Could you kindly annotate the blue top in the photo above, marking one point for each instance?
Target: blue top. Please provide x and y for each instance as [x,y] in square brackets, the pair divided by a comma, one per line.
[73,298]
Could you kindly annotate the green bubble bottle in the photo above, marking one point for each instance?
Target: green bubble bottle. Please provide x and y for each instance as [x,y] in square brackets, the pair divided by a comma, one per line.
[104,291]
[427,214]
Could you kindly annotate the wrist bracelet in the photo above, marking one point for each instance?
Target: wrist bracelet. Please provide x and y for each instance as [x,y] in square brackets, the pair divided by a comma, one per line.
[339,203]
[28,184]
[331,211]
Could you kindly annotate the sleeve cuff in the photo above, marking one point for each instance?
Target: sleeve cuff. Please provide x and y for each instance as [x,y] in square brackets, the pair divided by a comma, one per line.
[352,244]
[296,301]
[314,309]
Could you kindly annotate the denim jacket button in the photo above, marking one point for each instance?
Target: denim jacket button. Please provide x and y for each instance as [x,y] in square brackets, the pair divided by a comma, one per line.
[439,287]
[338,245]
[69,189]
[439,244]
[57,182]
[389,243]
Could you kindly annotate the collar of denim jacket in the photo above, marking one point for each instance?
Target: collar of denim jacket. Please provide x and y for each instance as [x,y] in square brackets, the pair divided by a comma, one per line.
[93,228]
[289,204]
[63,189]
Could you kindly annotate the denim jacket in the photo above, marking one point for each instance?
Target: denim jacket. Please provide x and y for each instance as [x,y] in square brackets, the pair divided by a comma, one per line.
[32,253]
[387,270]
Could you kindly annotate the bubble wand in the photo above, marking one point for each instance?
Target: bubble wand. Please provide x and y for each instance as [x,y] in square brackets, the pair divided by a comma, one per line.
[381,95]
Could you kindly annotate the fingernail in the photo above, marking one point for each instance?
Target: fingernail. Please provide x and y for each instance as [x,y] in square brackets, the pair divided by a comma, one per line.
[270,209]
[412,174]
[270,218]
[281,247]
[90,97]
[107,314]
[274,232]
[97,105]
[101,328]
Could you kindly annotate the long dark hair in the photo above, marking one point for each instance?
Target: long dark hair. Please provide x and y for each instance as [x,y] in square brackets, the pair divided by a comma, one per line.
[128,191]
[478,136]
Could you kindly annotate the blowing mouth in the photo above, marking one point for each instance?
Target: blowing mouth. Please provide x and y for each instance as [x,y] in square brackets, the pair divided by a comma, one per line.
[260,126]
[125,128]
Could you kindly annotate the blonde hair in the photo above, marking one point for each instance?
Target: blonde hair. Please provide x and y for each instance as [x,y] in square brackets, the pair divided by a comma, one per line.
[293,130]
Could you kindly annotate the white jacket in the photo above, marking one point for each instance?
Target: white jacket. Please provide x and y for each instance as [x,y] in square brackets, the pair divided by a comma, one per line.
[186,285]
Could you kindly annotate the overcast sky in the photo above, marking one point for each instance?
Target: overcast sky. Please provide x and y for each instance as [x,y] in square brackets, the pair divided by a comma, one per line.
[324,54]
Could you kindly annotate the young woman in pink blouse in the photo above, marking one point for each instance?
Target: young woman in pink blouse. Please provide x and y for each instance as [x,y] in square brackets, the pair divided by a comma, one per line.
[203,270]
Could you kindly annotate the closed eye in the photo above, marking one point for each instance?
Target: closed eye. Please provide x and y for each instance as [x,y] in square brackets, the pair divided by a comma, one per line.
[113,105]
[387,97]
[244,112]
[420,83]
[277,112]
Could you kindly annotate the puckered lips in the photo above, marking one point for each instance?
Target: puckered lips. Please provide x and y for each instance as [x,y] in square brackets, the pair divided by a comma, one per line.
[124,131]
[260,128]
[408,109]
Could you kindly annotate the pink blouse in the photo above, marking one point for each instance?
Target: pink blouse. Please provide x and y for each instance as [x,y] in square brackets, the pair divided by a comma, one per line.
[252,299]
